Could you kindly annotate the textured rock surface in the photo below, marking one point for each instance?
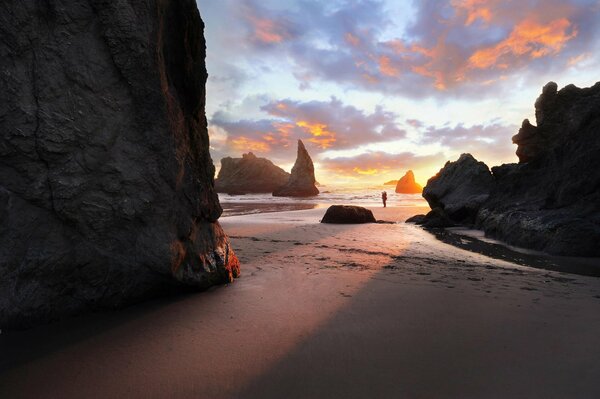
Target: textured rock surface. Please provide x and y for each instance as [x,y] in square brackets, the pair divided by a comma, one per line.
[346,214]
[302,179]
[106,181]
[550,200]
[460,188]
[408,185]
[249,174]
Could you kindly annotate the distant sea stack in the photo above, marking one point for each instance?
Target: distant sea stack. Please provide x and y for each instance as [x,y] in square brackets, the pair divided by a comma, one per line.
[408,185]
[550,200]
[106,195]
[390,183]
[249,174]
[302,179]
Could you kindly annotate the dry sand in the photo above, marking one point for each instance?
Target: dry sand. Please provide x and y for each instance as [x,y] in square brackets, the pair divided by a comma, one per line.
[330,311]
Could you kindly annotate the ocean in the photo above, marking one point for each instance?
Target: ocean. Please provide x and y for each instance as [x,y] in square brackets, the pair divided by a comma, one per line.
[330,195]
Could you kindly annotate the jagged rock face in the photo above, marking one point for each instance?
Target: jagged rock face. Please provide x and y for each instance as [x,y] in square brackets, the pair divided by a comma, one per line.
[348,214]
[460,188]
[302,179]
[249,174]
[550,201]
[408,185]
[106,181]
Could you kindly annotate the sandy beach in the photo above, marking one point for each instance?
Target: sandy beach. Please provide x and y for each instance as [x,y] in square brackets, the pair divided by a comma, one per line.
[330,311]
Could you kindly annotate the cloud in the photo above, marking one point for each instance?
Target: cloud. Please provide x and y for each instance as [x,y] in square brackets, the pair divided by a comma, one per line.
[490,143]
[323,125]
[378,163]
[457,47]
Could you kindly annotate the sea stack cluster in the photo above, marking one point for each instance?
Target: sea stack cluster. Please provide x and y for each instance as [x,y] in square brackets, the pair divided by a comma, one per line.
[106,189]
[550,200]
[250,174]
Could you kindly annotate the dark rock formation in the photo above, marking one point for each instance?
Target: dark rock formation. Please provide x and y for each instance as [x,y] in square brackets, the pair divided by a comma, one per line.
[460,188]
[249,174]
[550,200]
[436,218]
[390,183]
[346,214]
[302,180]
[417,219]
[408,185]
[106,181]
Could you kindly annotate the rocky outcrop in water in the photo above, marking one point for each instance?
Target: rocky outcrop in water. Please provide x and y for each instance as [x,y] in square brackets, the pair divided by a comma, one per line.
[249,174]
[390,183]
[106,181]
[348,214]
[408,185]
[302,179]
[550,200]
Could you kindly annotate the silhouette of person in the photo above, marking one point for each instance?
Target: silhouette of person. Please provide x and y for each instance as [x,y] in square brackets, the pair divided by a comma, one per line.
[384,198]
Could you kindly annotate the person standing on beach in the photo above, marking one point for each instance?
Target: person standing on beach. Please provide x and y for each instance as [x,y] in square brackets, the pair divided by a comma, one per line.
[384,198]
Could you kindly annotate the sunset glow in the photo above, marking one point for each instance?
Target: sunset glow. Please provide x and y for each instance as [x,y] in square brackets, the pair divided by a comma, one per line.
[405,86]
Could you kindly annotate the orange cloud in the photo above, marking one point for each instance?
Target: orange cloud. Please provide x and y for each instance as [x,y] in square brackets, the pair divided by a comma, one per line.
[474,10]
[351,39]
[266,30]
[578,59]
[245,144]
[386,67]
[528,38]
[321,136]
[368,172]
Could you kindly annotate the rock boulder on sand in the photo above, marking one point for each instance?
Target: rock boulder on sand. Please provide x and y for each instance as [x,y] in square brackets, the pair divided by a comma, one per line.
[346,214]
[550,200]
[106,187]
[249,174]
[408,185]
[460,188]
[302,179]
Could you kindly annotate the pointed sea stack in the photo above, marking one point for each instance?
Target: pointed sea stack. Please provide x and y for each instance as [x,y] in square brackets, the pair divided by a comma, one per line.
[408,185]
[106,188]
[302,180]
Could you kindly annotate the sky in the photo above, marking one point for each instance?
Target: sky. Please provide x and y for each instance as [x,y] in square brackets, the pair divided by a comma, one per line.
[377,87]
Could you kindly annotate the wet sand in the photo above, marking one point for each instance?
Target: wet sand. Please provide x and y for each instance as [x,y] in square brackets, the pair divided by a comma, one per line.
[331,311]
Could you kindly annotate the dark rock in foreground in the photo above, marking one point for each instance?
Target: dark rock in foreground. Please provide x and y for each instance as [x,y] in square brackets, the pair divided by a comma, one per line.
[417,219]
[436,218]
[302,179]
[106,181]
[249,174]
[346,214]
[460,188]
[550,200]
[408,185]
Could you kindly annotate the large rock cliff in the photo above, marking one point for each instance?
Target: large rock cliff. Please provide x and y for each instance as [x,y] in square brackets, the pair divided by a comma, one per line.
[106,181]
[249,174]
[550,200]
[302,181]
